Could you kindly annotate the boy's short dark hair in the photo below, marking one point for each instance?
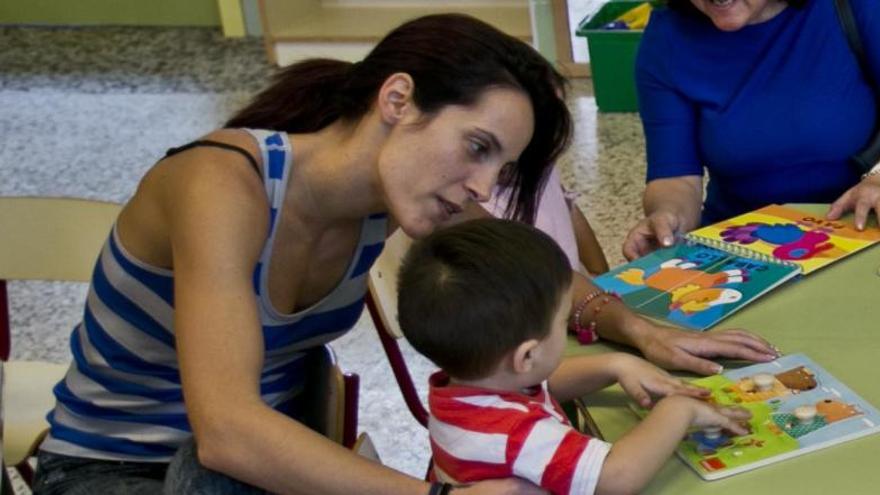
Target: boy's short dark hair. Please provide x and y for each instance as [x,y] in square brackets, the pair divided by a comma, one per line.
[471,293]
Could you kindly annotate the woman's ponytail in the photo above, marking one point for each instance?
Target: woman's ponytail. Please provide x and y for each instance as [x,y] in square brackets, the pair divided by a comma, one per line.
[304,97]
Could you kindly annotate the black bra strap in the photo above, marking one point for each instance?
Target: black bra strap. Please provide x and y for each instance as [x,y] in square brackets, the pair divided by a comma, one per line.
[217,144]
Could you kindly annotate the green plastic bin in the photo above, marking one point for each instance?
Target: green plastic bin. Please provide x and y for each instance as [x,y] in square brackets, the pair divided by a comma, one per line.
[612,57]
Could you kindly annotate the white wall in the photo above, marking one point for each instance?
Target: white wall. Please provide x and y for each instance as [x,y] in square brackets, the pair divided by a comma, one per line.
[577,11]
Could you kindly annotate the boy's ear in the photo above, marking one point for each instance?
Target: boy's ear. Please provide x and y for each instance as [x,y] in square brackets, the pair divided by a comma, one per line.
[395,97]
[524,356]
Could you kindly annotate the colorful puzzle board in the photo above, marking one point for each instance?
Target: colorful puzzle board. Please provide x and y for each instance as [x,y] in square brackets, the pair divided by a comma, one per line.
[776,434]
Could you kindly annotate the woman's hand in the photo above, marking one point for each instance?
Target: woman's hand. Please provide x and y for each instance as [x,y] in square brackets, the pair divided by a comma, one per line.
[653,232]
[863,197]
[676,349]
[642,380]
[672,206]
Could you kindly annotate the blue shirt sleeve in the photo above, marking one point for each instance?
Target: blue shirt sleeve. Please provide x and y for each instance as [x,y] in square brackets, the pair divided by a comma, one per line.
[668,118]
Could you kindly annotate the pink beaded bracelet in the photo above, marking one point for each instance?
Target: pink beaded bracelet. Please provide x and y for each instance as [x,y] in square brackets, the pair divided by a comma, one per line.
[587,334]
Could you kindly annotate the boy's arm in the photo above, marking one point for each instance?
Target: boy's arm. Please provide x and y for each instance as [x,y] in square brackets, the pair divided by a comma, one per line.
[581,375]
[638,455]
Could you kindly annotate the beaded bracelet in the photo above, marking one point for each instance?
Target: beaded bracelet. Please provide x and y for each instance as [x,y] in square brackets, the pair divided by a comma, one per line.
[587,334]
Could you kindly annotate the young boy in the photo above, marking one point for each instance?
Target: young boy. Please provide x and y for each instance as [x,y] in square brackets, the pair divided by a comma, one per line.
[488,302]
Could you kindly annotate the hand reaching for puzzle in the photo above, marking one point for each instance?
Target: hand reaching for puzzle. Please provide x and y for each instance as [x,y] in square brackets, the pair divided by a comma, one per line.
[710,416]
[643,381]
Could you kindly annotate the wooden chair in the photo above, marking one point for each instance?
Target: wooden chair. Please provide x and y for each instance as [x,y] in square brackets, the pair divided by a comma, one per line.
[53,239]
[332,397]
[382,304]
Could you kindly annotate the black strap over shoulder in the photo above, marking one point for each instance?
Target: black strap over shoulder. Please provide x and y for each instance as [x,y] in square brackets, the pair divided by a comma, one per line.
[218,144]
[870,156]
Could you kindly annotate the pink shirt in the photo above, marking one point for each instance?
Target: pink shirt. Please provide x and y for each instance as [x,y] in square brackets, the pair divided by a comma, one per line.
[553,216]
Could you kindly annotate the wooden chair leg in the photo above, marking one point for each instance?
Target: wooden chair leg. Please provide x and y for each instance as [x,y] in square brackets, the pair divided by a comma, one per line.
[398,366]
[24,466]
[350,423]
[588,424]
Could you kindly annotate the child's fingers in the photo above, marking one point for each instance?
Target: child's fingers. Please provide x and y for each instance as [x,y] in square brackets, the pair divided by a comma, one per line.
[735,427]
[693,390]
[637,392]
[673,386]
[735,413]
[735,416]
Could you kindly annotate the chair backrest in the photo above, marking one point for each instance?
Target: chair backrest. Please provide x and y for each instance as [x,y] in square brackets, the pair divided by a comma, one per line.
[52,238]
[49,239]
[332,398]
[383,280]
[382,304]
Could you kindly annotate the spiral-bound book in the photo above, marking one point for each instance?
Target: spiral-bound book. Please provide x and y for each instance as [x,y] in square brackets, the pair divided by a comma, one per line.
[785,235]
[720,268]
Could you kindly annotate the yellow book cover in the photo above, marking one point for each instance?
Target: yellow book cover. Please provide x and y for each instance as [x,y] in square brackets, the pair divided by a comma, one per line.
[787,236]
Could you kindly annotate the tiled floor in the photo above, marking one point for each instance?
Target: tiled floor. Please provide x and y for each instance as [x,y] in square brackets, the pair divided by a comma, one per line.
[84,112]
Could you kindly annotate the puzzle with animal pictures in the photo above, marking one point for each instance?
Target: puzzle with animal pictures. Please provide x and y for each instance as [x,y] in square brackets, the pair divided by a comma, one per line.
[797,407]
[719,269]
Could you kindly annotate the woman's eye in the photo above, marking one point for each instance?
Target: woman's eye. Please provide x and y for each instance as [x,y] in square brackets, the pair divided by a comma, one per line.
[477,148]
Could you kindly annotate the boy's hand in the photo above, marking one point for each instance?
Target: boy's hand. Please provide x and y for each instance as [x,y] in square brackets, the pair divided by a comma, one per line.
[642,380]
[728,418]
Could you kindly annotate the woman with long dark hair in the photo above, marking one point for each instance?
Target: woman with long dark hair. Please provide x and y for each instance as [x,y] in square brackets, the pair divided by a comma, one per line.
[242,253]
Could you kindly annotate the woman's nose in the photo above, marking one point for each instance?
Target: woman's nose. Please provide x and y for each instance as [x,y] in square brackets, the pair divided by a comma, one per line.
[481,183]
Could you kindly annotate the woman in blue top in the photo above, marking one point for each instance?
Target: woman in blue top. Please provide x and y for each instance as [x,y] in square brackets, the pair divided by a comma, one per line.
[242,253]
[767,96]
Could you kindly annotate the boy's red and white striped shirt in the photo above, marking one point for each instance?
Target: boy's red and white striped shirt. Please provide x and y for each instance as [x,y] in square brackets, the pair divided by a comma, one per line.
[479,434]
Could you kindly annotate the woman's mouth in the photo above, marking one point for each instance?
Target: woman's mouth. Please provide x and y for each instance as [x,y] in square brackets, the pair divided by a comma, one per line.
[449,208]
[721,3]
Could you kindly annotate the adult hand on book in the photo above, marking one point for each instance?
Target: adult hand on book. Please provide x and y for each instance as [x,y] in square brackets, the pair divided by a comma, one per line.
[672,207]
[677,349]
[863,197]
[653,232]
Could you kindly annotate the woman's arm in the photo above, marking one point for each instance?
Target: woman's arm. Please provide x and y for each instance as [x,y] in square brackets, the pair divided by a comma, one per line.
[589,250]
[669,347]
[672,206]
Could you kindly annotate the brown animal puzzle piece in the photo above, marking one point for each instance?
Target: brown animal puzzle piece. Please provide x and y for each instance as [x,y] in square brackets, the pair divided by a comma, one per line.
[834,411]
[799,378]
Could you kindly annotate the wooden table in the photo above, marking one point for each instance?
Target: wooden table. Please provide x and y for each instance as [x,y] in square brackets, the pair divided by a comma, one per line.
[833,316]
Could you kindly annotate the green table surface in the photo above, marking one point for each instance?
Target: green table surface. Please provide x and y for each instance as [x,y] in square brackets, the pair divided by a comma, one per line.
[832,316]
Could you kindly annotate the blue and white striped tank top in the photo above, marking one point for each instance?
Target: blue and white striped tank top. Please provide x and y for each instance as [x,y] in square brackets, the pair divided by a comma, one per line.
[122,399]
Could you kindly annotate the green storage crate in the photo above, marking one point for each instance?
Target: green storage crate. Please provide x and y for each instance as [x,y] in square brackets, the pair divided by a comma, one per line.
[612,57]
